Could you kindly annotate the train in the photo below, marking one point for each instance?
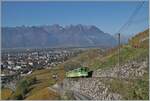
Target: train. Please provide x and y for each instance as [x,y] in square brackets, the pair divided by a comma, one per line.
[79,72]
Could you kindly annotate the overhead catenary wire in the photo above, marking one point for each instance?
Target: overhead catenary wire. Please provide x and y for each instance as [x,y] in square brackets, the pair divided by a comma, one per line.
[129,21]
[139,20]
[126,25]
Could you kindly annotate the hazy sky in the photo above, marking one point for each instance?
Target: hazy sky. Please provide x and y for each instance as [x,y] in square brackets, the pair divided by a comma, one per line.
[108,16]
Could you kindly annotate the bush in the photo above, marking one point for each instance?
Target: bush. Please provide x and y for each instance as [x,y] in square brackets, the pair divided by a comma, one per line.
[22,88]
[31,80]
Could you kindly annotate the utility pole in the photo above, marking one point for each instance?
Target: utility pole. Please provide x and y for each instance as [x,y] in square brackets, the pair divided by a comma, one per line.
[118,49]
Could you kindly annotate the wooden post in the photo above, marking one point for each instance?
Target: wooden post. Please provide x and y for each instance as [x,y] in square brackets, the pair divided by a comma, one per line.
[118,49]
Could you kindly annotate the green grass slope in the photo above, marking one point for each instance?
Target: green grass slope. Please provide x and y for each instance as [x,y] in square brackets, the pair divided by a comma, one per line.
[34,86]
[94,58]
[140,40]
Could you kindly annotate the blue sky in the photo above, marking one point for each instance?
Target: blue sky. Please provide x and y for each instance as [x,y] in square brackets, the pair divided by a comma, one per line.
[108,16]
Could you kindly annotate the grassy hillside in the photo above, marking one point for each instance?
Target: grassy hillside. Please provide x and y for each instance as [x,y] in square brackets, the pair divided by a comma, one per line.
[95,58]
[134,89]
[130,90]
[44,94]
[38,81]
[6,93]
[140,40]
[87,59]
[127,53]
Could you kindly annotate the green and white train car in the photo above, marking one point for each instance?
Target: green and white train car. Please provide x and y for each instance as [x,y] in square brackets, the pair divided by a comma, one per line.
[79,72]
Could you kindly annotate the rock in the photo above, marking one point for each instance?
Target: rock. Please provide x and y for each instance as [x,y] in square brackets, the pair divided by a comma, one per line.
[93,87]
[131,69]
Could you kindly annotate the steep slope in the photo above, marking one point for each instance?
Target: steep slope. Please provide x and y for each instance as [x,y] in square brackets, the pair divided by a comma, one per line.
[55,36]
[140,40]
[95,58]
[129,81]
[35,85]
[44,94]
[6,93]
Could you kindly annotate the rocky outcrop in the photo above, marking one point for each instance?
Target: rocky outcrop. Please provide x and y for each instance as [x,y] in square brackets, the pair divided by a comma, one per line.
[129,70]
[92,87]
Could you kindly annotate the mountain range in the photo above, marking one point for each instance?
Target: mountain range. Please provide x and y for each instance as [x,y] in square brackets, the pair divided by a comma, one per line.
[55,36]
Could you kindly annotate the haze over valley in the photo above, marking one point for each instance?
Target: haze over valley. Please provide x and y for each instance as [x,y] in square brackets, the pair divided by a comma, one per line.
[56,36]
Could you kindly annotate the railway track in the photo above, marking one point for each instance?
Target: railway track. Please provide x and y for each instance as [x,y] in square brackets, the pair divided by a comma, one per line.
[115,78]
[79,96]
[76,95]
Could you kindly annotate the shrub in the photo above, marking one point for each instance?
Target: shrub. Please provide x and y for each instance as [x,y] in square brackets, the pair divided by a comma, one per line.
[22,88]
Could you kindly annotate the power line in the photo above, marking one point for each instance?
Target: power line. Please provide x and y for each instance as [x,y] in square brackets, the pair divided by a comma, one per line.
[140,20]
[126,25]
[131,17]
